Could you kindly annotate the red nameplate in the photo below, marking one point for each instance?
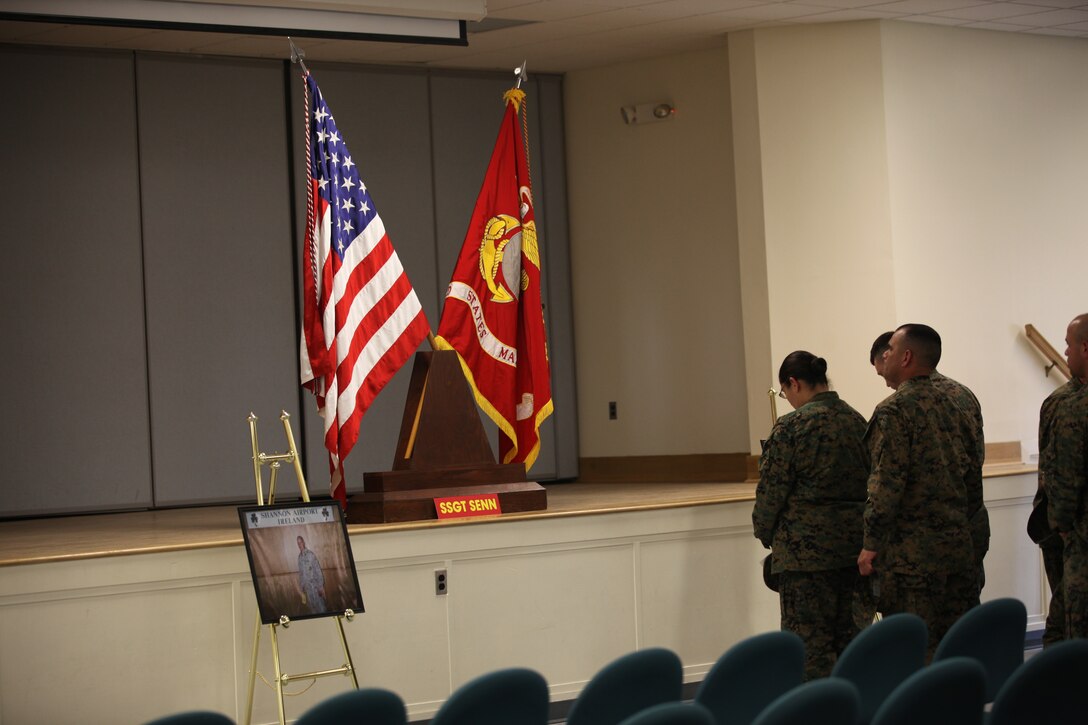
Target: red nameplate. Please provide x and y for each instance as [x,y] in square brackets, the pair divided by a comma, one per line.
[458,507]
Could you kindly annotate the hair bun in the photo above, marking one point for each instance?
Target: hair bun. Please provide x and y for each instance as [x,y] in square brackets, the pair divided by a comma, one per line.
[819,365]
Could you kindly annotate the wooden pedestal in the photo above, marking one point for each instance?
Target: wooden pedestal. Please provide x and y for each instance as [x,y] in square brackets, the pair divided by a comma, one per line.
[442,451]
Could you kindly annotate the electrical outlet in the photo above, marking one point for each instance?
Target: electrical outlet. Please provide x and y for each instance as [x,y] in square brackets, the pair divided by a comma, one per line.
[441,582]
[612,410]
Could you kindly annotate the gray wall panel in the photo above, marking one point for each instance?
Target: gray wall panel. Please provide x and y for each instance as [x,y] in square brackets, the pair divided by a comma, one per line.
[223,338]
[74,418]
[562,426]
[466,113]
[165,194]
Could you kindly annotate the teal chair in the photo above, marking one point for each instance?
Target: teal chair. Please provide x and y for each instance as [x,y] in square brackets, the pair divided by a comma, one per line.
[672,713]
[950,692]
[193,717]
[750,675]
[881,657]
[628,685]
[1048,689]
[514,696]
[992,634]
[829,701]
[373,706]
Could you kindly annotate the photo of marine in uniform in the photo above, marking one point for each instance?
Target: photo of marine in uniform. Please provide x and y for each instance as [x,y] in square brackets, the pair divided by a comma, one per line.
[301,562]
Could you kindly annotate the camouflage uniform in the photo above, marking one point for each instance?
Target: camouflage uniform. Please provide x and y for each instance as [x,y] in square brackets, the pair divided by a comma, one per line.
[1039,529]
[1066,481]
[808,509]
[916,518]
[979,518]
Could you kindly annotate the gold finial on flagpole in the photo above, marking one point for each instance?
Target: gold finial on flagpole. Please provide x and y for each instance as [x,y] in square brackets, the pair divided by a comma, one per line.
[520,72]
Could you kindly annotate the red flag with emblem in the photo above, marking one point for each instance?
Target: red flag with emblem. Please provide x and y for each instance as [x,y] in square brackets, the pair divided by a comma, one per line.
[493,317]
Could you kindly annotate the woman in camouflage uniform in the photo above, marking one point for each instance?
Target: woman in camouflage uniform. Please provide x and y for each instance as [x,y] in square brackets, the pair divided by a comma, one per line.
[809,506]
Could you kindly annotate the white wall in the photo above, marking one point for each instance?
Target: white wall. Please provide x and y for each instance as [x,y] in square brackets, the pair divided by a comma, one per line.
[751,236]
[916,173]
[886,172]
[988,167]
[824,198]
[654,260]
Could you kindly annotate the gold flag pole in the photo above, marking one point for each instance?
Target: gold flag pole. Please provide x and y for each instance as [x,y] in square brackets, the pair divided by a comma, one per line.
[772,394]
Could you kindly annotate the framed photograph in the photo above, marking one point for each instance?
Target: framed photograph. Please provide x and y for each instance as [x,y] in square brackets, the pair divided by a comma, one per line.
[300,559]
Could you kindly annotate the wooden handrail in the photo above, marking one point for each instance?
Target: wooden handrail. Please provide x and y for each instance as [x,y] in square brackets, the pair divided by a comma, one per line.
[1048,351]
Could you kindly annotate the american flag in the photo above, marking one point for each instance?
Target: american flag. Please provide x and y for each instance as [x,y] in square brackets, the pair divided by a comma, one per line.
[362,319]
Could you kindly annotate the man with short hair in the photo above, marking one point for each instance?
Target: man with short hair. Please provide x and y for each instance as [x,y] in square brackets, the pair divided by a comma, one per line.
[980,518]
[1039,529]
[917,533]
[877,351]
[1064,473]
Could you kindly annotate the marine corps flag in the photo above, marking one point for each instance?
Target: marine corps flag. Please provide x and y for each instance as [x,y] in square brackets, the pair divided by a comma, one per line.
[493,316]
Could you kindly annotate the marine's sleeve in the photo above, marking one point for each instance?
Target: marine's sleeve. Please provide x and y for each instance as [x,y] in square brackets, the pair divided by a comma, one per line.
[890,454]
[1066,478]
[857,431]
[1046,425]
[976,509]
[775,483]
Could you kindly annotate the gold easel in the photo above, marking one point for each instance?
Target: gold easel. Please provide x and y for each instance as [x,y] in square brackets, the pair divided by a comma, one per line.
[274,462]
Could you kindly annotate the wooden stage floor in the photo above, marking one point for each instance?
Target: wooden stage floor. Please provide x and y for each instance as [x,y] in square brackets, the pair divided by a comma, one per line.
[33,541]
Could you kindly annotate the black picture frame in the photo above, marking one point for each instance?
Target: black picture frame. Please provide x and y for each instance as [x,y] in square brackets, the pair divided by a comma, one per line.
[287,580]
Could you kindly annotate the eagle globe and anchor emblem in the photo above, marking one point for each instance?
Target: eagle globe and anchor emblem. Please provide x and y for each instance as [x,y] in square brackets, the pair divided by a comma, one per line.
[505,239]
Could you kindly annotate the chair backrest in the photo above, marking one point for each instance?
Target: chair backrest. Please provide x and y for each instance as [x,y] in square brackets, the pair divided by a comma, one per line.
[830,701]
[950,691]
[750,675]
[627,685]
[881,657]
[371,705]
[993,634]
[193,717]
[1049,688]
[514,696]
[672,713]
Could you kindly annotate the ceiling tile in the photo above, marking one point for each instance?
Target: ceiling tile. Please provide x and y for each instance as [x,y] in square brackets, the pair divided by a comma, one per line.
[992,25]
[1056,3]
[924,7]
[776,11]
[989,11]
[1059,31]
[934,20]
[854,4]
[852,14]
[1052,17]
